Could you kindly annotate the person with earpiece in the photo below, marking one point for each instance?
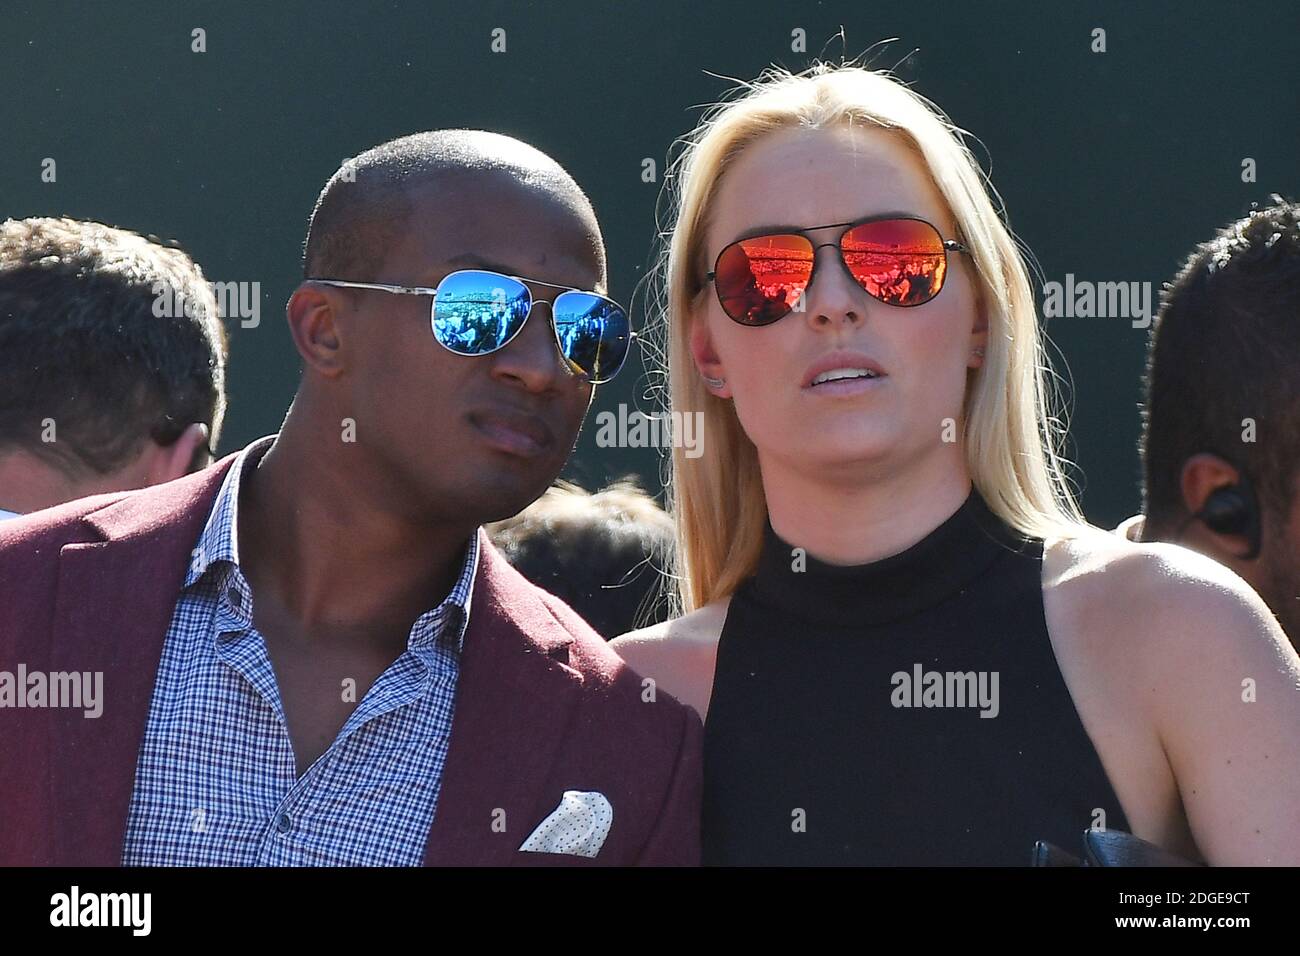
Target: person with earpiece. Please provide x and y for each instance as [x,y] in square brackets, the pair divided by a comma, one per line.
[1221,439]
[835,283]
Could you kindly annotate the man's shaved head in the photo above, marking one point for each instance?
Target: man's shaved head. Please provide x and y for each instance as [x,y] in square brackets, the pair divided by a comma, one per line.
[366,205]
[409,213]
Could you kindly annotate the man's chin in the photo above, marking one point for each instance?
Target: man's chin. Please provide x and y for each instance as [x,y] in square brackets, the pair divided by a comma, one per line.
[505,495]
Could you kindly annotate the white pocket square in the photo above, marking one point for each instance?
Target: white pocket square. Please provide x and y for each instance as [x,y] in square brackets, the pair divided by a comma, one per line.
[578,826]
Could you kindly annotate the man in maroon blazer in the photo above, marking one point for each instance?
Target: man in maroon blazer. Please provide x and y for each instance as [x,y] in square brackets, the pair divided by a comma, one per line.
[310,653]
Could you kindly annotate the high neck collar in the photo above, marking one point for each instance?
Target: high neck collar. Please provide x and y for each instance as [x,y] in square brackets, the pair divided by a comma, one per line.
[945,562]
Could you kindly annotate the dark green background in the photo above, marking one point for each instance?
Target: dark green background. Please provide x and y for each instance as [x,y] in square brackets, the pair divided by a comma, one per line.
[1111,165]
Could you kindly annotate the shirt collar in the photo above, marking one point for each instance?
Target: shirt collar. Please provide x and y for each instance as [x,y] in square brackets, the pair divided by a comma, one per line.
[457,602]
[219,543]
[220,538]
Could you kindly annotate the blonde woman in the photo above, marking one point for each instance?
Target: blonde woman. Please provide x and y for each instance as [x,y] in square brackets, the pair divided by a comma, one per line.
[907,644]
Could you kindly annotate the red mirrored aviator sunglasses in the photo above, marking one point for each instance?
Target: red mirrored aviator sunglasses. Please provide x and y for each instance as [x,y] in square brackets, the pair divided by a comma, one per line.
[900,261]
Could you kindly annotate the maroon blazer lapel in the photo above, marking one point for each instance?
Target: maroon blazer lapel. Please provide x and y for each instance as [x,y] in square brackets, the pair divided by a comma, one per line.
[514,698]
[513,706]
[113,603]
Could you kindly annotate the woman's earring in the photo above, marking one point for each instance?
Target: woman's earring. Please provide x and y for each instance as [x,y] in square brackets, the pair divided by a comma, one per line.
[713,382]
[978,350]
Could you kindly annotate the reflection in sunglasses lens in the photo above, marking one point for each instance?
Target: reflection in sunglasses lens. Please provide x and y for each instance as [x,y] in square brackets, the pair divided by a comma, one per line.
[593,332]
[898,261]
[759,280]
[477,312]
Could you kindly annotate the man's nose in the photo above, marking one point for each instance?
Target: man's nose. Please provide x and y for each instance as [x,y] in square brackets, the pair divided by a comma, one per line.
[533,355]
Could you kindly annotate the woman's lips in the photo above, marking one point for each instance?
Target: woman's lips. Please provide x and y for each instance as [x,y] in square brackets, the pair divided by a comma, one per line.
[841,359]
[844,387]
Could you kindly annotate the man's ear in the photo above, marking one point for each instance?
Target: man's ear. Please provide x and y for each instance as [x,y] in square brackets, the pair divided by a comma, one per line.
[1202,475]
[706,358]
[312,313]
[167,462]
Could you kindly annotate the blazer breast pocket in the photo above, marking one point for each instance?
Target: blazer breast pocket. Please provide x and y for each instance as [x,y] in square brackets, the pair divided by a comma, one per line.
[578,827]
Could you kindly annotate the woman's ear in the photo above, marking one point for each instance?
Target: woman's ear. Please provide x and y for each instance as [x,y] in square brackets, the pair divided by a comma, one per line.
[707,363]
[979,336]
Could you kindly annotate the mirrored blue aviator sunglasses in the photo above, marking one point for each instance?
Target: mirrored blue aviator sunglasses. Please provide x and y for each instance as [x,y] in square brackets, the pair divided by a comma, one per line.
[477,312]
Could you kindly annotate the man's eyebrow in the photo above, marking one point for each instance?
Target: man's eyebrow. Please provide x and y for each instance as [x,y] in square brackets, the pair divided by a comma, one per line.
[475,261]
[478,262]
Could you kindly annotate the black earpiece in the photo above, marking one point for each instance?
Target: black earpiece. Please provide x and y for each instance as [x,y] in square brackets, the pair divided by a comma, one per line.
[1234,510]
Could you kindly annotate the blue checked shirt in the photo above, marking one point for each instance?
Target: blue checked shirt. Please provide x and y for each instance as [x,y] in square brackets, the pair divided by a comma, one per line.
[216,783]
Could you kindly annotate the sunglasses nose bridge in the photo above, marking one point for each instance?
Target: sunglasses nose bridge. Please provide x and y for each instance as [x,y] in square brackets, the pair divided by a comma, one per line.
[538,362]
[821,260]
[844,290]
[552,329]
[532,318]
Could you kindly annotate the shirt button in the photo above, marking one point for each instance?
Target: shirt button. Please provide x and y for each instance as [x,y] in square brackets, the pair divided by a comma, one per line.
[235,597]
[284,823]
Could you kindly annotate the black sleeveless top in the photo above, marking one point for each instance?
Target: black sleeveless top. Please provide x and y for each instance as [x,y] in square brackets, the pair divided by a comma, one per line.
[906,712]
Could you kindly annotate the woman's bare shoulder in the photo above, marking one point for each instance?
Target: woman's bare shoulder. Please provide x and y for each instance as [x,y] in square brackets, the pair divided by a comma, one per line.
[679,654]
[1177,647]
[1119,576]
[1151,598]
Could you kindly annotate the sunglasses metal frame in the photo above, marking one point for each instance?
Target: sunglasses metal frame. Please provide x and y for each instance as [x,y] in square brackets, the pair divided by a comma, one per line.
[432,293]
[948,245]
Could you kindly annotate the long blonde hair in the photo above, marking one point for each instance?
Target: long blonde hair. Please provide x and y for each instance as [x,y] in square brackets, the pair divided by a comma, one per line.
[1011,430]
